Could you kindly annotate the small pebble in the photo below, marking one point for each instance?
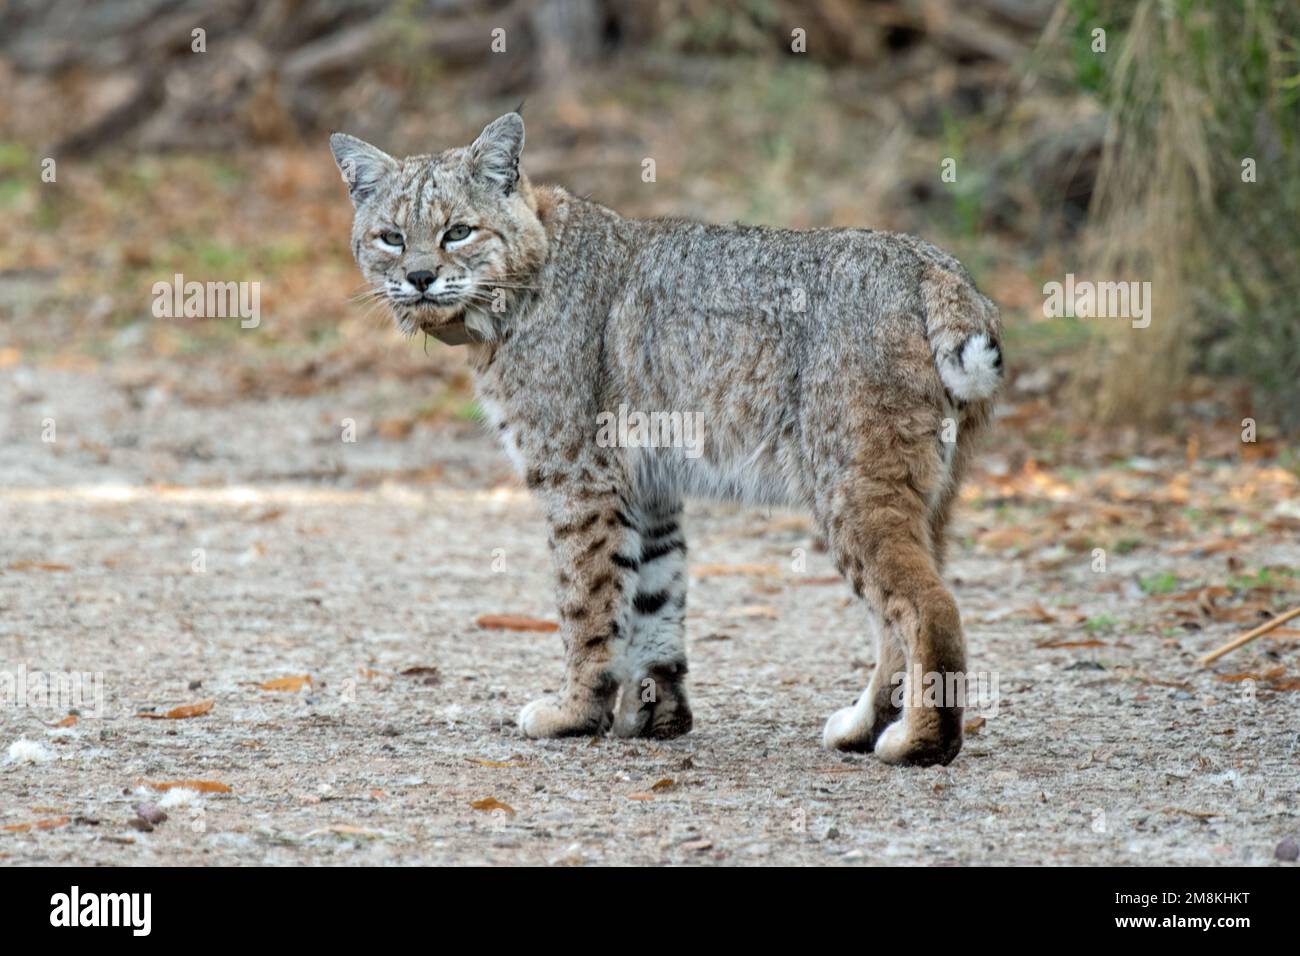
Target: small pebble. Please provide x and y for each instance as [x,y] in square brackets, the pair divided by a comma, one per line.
[1287,851]
[150,813]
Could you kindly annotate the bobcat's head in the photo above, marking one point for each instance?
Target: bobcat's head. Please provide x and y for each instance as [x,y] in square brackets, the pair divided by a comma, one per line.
[448,238]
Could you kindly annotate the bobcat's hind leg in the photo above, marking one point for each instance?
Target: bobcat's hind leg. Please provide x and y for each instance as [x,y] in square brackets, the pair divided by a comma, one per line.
[651,661]
[857,728]
[880,531]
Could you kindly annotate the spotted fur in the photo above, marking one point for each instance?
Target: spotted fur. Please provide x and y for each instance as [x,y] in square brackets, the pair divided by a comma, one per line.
[844,371]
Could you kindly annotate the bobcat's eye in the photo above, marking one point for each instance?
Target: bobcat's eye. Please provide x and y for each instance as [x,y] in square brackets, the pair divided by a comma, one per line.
[456,233]
[392,238]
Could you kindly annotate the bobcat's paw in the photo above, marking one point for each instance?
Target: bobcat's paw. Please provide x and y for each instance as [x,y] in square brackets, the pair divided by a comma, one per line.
[848,729]
[555,717]
[666,715]
[670,717]
[898,745]
[662,719]
[857,728]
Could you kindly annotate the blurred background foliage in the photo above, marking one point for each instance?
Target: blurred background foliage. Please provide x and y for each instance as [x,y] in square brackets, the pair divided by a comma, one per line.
[1122,164]
[1200,190]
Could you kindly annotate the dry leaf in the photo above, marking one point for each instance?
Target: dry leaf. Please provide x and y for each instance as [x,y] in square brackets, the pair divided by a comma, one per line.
[395,429]
[1273,673]
[667,783]
[1093,642]
[68,721]
[727,570]
[697,845]
[289,684]
[762,611]
[1036,612]
[420,672]
[1003,538]
[515,622]
[489,804]
[199,786]
[182,712]
[975,725]
[49,823]
[74,363]
[1199,594]
[39,566]
[1177,685]
[498,763]
[640,796]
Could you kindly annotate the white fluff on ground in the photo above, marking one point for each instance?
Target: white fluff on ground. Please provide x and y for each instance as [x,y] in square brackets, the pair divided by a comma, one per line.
[29,751]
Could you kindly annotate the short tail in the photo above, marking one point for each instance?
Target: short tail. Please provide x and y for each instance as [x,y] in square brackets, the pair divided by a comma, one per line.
[965,335]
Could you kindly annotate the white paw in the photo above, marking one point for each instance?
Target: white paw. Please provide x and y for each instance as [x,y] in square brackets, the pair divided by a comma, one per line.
[560,717]
[843,729]
[892,746]
[538,717]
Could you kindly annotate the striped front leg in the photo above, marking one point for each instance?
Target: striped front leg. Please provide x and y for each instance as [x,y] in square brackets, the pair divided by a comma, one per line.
[651,661]
[590,532]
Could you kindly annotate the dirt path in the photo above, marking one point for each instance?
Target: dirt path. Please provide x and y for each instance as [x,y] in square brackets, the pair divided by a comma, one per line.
[358,562]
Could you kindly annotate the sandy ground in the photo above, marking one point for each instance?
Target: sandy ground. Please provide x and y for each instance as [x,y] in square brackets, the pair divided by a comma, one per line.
[365,566]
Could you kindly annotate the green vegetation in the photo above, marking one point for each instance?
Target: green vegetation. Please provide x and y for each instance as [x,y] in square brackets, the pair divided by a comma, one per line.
[1199,193]
[1101,624]
[1163,583]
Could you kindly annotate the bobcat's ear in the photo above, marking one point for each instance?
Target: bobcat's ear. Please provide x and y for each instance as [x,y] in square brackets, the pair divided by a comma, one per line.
[363,166]
[494,156]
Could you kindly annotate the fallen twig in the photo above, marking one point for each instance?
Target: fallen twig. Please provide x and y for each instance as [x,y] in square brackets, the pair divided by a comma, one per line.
[1264,628]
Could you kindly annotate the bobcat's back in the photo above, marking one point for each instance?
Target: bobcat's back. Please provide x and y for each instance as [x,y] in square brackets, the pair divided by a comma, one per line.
[767,307]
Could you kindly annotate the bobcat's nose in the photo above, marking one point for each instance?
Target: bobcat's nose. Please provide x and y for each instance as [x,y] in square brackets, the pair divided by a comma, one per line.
[421,280]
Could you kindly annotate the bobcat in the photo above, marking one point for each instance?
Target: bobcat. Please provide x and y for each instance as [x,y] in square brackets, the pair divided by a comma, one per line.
[843,370]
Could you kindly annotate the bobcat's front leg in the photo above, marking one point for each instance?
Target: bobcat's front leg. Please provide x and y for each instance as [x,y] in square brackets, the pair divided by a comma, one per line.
[592,540]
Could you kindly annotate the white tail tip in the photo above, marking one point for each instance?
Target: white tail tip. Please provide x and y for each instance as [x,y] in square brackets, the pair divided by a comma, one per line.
[973,372]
